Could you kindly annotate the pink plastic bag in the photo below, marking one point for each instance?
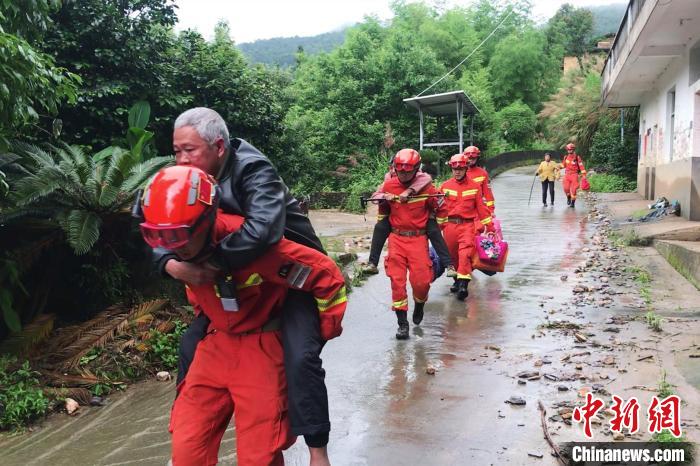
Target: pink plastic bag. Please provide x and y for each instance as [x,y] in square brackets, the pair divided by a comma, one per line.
[491,249]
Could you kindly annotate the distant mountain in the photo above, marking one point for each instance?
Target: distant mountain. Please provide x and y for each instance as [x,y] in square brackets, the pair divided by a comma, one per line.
[607,18]
[280,50]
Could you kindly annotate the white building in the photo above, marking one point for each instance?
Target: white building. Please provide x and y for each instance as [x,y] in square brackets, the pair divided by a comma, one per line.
[654,63]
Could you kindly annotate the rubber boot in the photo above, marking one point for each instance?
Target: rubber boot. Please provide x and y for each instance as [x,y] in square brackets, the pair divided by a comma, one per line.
[568,200]
[453,288]
[573,203]
[418,313]
[402,332]
[462,289]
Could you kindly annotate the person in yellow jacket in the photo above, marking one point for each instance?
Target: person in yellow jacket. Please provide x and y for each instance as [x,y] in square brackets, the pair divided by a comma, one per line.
[549,172]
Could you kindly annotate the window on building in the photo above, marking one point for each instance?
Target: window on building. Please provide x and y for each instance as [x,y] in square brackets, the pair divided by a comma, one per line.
[671,111]
[694,58]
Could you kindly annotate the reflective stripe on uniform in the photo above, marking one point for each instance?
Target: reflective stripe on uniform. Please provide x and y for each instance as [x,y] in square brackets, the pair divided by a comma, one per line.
[441,220]
[340,297]
[419,300]
[450,192]
[254,280]
[417,199]
[461,276]
[398,304]
[479,179]
[489,203]
[486,221]
[469,192]
[381,217]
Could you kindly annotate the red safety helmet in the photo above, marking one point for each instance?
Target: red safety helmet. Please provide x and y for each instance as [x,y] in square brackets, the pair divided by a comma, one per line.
[458,161]
[570,146]
[176,205]
[406,160]
[472,152]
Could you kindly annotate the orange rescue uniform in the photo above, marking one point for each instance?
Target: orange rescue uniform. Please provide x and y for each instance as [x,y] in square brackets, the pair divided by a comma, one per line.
[408,243]
[239,365]
[573,165]
[466,214]
[480,176]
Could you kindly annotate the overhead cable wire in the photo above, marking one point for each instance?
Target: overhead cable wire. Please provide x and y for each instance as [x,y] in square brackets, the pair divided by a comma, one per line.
[468,56]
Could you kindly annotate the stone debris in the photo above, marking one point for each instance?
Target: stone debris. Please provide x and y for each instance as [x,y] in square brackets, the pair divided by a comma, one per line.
[516,400]
[72,406]
[163,376]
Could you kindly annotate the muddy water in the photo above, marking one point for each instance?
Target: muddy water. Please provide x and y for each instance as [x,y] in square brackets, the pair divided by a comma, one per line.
[385,408]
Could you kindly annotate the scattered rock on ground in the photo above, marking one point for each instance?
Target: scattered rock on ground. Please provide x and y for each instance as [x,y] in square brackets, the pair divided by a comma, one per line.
[72,406]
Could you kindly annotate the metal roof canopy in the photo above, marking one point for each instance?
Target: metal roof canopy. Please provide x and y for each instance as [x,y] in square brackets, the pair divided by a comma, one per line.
[455,103]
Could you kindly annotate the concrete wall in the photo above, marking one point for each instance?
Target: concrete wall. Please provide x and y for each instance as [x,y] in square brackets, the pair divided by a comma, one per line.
[673,157]
[680,180]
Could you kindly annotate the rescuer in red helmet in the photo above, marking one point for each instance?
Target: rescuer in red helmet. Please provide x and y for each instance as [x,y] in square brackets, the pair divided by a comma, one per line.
[408,243]
[572,165]
[479,175]
[241,362]
[466,215]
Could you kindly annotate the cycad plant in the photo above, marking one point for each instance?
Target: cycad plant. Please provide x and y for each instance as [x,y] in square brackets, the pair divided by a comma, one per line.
[76,190]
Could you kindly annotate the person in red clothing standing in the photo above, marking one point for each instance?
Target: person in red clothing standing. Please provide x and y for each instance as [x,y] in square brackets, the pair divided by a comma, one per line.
[573,165]
[466,215]
[240,363]
[408,243]
[480,176]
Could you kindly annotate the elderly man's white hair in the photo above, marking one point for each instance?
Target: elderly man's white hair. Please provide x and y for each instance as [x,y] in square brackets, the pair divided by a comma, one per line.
[207,122]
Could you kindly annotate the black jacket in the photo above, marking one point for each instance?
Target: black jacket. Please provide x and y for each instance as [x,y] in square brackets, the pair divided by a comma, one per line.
[251,187]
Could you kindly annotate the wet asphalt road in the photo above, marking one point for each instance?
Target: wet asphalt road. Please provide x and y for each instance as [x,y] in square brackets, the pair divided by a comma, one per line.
[385,408]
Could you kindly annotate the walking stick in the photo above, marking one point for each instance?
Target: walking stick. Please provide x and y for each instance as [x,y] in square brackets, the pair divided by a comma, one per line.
[533,185]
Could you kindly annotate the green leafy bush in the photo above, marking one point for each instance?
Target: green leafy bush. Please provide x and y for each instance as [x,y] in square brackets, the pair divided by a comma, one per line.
[164,346]
[609,183]
[21,399]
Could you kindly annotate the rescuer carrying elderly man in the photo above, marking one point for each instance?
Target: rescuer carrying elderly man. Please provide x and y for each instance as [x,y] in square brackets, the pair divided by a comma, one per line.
[250,187]
[239,366]
[479,175]
[466,215]
[408,242]
[572,165]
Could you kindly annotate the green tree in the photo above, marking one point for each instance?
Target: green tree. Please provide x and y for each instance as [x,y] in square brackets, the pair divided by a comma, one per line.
[30,84]
[611,153]
[523,69]
[571,29]
[121,49]
[516,123]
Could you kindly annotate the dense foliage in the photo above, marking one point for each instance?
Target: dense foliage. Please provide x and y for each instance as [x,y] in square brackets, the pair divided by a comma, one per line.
[21,398]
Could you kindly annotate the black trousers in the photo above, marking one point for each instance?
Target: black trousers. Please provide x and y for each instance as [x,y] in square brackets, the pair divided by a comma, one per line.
[546,184]
[382,229]
[306,387]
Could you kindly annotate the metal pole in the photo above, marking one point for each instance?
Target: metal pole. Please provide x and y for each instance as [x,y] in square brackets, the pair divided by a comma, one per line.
[420,117]
[459,124]
[471,132]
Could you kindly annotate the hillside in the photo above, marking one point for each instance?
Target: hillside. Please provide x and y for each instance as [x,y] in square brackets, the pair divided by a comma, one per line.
[280,50]
[606,18]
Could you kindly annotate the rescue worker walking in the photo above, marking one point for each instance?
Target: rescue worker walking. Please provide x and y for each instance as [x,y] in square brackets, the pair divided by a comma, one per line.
[573,165]
[548,172]
[480,176]
[251,187]
[240,364]
[408,243]
[466,214]
[382,228]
